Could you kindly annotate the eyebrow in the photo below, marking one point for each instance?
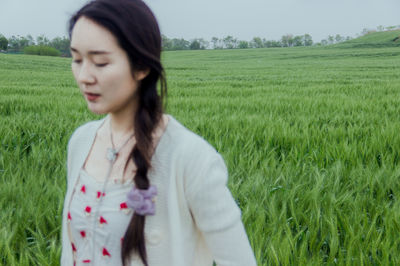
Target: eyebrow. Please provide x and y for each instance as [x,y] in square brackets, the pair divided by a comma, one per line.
[95,52]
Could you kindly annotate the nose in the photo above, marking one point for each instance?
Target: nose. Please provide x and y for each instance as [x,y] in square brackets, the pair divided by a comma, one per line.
[85,74]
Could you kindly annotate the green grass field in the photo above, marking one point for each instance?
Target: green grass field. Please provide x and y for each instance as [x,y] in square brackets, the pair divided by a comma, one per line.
[375,40]
[311,138]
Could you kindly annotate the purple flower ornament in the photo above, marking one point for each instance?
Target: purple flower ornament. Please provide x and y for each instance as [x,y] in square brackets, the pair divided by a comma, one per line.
[142,200]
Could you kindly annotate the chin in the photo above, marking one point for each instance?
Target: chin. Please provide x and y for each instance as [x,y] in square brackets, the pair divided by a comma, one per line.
[96,110]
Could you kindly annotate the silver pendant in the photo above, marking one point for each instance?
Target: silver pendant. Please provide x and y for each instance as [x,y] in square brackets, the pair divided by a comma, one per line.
[111,154]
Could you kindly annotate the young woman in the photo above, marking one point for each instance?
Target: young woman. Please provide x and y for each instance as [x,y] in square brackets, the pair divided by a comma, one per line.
[142,189]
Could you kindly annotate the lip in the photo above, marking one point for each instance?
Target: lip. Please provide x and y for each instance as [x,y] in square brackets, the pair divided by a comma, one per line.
[91,96]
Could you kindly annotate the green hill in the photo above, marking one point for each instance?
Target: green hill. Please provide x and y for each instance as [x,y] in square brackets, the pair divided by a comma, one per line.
[374,39]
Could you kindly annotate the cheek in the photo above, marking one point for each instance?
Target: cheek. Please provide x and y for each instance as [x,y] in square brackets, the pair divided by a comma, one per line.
[120,72]
[121,80]
[75,72]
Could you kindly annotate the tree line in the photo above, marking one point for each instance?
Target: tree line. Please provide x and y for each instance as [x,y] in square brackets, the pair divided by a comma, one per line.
[27,44]
[230,42]
[60,45]
[17,44]
[288,40]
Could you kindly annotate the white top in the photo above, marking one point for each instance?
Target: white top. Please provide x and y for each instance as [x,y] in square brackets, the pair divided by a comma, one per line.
[97,220]
[196,219]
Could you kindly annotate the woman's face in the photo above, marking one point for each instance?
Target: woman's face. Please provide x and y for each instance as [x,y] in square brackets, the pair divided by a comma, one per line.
[102,69]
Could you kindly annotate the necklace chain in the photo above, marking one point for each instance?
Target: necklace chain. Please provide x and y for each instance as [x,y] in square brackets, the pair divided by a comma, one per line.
[112,153]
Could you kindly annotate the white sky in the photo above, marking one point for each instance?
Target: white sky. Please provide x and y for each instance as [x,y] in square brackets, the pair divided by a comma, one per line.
[243,19]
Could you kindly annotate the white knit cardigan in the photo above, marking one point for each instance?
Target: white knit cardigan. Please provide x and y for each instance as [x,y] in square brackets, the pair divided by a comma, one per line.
[197,221]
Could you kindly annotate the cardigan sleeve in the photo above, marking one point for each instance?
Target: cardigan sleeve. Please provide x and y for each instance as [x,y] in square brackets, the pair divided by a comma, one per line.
[214,210]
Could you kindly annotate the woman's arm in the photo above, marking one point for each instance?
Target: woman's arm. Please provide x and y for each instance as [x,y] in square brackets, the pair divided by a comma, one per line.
[214,210]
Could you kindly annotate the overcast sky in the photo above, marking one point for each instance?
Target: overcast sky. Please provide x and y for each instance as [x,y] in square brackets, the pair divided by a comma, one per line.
[243,19]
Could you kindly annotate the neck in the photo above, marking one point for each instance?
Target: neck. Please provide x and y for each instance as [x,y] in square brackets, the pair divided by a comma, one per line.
[122,124]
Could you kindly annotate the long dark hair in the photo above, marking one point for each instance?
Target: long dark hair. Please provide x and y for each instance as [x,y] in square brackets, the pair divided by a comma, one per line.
[136,29]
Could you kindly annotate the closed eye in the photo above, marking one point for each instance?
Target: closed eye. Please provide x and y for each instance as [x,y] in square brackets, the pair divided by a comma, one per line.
[101,65]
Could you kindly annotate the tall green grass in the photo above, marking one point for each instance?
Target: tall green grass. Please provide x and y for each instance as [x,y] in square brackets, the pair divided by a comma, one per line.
[310,137]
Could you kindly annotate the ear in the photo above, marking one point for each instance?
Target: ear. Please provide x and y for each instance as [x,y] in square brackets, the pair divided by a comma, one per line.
[141,74]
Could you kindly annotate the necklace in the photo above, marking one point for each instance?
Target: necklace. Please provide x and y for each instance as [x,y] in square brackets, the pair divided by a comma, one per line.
[111,155]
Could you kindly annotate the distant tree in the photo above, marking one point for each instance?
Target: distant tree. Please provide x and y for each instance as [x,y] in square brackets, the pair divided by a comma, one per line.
[339,38]
[380,28]
[62,45]
[24,42]
[264,41]
[30,39]
[179,44]
[3,43]
[230,42]
[290,40]
[18,43]
[235,43]
[324,42]
[287,40]
[298,41]
[198,44]
[166,43]
[203,43]
[42,40]
[308,41]
[13,43]
[215,41]
[267,43]
[348,38]
[243,44]
[331,39]
[194,45]
[256,42]
[272,43]
[284,41]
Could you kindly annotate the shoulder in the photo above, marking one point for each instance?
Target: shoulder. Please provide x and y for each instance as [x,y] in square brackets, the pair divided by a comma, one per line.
[192,157]
[187,143]
[85,131]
